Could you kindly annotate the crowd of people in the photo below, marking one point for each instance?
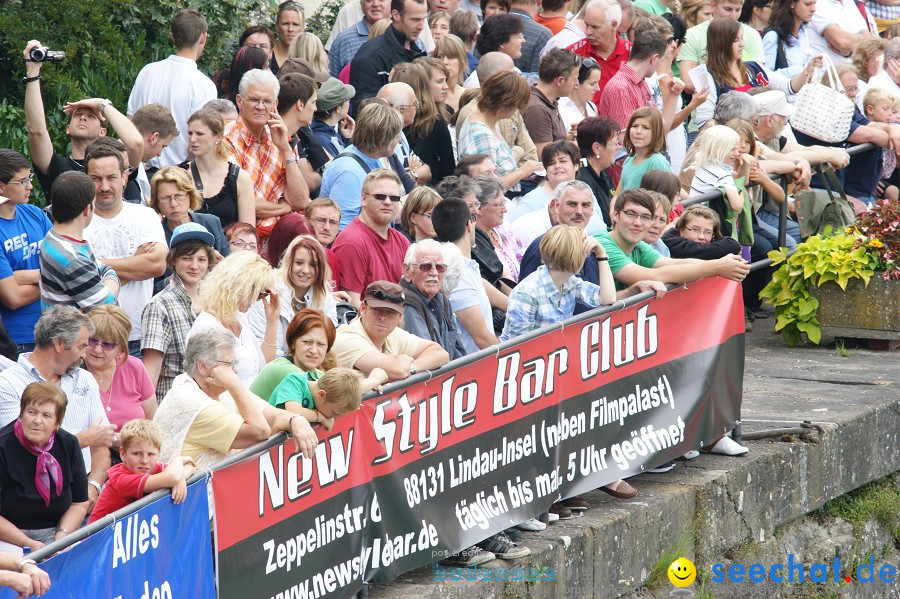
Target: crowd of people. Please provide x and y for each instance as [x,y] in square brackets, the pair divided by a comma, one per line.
[252,252]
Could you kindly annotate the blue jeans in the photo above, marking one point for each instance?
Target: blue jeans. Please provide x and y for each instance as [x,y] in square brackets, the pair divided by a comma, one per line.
[134,348]
[768,223]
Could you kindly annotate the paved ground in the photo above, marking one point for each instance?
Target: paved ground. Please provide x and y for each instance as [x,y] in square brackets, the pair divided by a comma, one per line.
[712,504]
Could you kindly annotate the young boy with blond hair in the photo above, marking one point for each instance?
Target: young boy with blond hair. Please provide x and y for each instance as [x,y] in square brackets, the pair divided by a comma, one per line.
[140,472]
[878,106]
[338,391]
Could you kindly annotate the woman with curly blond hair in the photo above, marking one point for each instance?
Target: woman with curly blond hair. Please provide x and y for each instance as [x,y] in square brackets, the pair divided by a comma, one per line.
[868,57]
[226,294]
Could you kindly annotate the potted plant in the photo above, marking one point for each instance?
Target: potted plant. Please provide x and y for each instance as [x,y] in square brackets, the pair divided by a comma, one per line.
[829,276]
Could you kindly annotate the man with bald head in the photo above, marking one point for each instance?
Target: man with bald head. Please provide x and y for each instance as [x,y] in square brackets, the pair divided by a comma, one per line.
[512,129]
[401,97]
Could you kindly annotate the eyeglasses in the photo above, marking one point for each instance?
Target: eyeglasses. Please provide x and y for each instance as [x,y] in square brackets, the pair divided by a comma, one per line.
[106,345]
[425,214]
[632,215]
[263,294]
[473,218]
[385,296]
[381,197]
[178,197]
[232,364]
[496,204]
[428,266]
[405,106]
[325,221]
[700,232]
[259,102]
[24,181]
[260,46]
[243,245]
[851,90]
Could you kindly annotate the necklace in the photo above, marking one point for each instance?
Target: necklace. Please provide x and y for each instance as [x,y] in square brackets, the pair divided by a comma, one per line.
[101,380]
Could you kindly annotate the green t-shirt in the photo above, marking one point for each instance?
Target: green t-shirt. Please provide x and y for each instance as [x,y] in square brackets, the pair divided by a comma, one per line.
[273,373]
[294,387]
[694,48]
[653,7]
[642,255]
[633,173]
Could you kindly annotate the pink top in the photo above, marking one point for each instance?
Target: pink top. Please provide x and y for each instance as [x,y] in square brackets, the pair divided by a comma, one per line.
[508,247]
[130,386]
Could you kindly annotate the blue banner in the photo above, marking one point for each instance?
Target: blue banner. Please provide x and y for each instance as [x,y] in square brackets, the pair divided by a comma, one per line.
[162,551]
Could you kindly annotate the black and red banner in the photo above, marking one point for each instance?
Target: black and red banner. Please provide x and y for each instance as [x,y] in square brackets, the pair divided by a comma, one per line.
[437,466]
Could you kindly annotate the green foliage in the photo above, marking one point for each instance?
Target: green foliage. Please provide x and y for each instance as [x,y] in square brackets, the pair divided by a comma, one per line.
[321,23]
[878,501]
[819,259]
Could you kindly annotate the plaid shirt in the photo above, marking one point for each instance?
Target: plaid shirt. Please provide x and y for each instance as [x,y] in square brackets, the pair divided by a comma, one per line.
[262,159]
[477,138]
[536,36]
[165,323]
[536,302]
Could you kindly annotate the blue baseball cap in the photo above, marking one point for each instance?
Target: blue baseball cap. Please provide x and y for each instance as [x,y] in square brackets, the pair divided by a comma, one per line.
[189,231]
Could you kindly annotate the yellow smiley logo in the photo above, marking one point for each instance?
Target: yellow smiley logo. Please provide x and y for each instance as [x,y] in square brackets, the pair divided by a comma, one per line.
[682,572]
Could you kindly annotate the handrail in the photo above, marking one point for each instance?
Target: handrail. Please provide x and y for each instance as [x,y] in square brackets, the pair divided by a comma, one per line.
[279,438]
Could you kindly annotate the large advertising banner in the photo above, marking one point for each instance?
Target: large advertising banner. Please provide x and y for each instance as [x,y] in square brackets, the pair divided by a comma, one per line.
[161,551]
[437,466]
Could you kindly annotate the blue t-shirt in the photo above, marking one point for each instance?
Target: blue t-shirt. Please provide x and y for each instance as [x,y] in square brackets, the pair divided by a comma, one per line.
[342,182]
[21,237]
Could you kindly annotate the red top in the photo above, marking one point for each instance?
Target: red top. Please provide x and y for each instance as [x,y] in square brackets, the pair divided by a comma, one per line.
[608,66]
[624,93]
[122,487]
[366,257]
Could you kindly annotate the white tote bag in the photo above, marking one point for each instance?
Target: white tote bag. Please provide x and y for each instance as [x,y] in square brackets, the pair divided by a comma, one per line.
[821,111]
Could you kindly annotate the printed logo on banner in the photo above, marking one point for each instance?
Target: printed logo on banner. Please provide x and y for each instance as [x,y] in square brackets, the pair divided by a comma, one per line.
[162,551]
[437,466]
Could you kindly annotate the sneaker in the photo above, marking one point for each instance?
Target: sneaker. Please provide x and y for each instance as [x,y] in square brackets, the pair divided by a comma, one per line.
[560,510]
[551,517]
[472,556]
[532,525]
[690,455]
[748,328]
[513,534]
[575,504]
[503,547]
[667,467]
[760,313]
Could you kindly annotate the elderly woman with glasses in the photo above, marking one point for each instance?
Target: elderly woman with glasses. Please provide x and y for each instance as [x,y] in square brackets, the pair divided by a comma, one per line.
[226,294]
[176,199]
[490,219]
[126,391]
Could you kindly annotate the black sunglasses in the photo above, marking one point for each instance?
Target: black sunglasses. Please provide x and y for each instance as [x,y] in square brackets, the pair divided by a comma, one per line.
[385,296]
[383,196]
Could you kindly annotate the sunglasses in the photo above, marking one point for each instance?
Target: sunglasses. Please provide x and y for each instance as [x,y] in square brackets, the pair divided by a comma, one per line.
[428,266]
[263,294]
[383,196]
[106,345]
[385,296]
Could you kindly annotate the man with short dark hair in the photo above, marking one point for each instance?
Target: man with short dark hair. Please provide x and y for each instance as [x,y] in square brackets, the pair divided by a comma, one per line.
[558,74]
[372,64]
[22,227]
[157,127]
[261,145]
[627,90]
[69,273]
[176,83]
[88,121]
[369,248]
[127,237]
[297,97]
[349,41]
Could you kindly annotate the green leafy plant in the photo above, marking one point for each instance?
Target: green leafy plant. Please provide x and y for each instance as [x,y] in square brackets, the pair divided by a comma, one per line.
[821,258]
[322,22]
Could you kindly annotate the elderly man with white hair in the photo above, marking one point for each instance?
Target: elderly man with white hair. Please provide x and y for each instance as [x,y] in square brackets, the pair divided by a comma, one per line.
[210,413]
[260,145]
[426,311]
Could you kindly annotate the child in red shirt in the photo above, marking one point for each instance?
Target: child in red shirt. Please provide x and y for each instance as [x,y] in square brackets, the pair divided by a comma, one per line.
[140,473]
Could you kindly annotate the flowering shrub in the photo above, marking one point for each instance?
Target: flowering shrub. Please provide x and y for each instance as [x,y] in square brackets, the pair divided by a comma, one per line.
[881,228]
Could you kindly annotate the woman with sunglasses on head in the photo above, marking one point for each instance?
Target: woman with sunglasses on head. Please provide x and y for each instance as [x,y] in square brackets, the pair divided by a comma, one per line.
[289,23]
[225,296]
[126,391]
[301,281]
[578,105]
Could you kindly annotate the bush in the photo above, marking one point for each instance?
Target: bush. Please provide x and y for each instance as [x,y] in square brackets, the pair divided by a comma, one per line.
[106,42]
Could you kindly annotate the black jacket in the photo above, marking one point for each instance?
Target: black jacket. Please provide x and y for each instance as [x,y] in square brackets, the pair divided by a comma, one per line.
[685,248]
[374,60]
[601,185]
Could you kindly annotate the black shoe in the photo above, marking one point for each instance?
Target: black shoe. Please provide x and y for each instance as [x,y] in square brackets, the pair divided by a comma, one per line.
[513,534]
[472,556]
[503,547]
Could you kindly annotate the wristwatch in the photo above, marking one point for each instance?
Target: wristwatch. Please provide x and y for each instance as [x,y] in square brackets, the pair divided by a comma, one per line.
[26,561]
[104,104]
[412,369]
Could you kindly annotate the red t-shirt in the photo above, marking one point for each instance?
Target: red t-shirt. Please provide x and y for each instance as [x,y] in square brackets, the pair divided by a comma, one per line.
[122,487]
[335,265]
[608,66]
[366,257]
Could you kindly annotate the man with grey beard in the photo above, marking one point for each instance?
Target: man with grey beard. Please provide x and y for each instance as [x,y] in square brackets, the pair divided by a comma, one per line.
[61,339]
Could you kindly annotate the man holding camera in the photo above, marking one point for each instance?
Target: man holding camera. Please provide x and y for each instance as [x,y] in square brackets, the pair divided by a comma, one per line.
[88,121]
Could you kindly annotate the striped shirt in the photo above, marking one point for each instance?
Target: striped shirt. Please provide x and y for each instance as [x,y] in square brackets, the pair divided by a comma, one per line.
[84,407]
[345,46]
[717,175]
[71,274]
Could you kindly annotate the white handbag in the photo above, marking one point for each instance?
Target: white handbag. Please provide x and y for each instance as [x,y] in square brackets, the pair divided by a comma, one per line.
[823,112]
